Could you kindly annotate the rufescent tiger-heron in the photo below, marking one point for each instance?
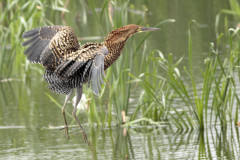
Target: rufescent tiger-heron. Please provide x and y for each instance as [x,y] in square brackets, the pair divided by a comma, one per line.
[68,65]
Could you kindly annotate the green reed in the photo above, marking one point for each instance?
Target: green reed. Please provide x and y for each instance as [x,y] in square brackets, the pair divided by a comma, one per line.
[116,76]
[213,101]
[218,81]
[160,84]
[118,86]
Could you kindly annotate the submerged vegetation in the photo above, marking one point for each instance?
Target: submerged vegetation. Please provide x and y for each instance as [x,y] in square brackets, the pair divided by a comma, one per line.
[164,94]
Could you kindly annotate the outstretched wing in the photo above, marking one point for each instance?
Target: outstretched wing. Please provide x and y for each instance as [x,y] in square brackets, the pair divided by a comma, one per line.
[97,70]
[97,73]
[48,45]
[80,61]
[88,62]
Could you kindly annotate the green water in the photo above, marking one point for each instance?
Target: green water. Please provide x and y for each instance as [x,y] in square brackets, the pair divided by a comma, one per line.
[30,122]
[114,143]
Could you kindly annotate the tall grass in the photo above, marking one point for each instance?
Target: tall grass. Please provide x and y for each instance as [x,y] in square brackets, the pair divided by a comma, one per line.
[213,101]
[118,86]
[162,85]
[117,75]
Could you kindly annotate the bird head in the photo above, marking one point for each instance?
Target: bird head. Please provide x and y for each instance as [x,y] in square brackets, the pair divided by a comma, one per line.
[128,30]
[116,40]
[133,28]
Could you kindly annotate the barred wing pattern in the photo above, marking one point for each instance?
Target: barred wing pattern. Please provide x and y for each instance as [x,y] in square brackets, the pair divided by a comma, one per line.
[47,45]
[67,65]
[89,67]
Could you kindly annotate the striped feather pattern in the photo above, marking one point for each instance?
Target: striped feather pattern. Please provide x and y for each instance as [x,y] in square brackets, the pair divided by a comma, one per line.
[67,65]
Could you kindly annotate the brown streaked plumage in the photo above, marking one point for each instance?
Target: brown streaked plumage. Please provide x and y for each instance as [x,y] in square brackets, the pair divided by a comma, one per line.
[68,65]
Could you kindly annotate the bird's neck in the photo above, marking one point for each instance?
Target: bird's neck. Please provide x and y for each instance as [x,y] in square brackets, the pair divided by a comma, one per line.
[115,45]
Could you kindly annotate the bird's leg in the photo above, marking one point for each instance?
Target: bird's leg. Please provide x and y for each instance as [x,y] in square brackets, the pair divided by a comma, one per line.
[78,98]
[63,111]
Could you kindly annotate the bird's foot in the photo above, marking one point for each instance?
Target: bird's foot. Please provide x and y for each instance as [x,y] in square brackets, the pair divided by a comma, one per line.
[66,131]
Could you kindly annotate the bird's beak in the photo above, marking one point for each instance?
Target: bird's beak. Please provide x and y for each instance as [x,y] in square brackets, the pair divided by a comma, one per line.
[145,29]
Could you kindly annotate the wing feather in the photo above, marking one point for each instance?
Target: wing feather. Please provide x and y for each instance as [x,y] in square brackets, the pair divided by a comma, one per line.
[50,44]
[97,71]
[78,61]
[58,50]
